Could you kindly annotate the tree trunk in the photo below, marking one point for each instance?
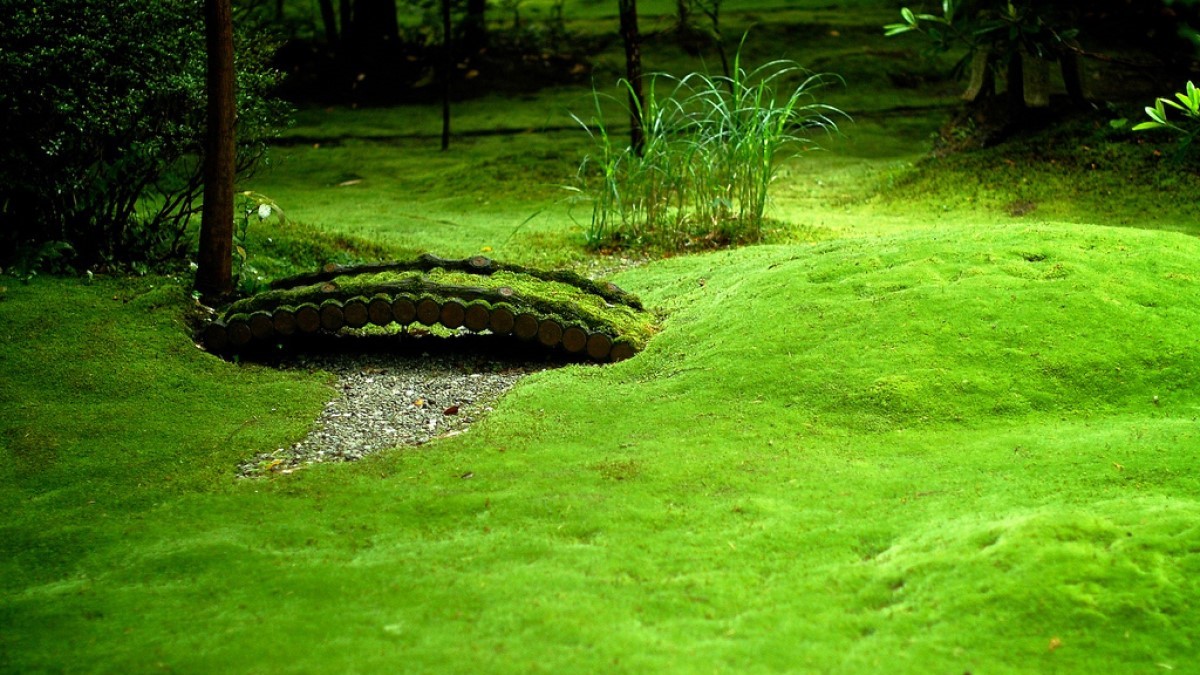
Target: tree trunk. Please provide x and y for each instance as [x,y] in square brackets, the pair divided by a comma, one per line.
[982,82]
[373,25]
[1072,78]
[1016,84]
[683,13]
[372,41]
[447,72]
[329,19]
[474,27]
[214,276]
[1036,77]
[633,73]
[345,16]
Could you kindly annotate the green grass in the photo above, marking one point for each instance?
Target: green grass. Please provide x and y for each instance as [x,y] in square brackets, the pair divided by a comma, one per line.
[917,433]
[904,452]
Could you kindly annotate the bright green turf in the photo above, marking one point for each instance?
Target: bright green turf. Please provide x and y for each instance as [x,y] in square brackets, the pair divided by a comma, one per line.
[918,434]
[907,452]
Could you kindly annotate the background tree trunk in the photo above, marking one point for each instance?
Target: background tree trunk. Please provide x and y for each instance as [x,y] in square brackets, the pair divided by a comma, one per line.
[372,44]
[214,276]
[329,19]
[633,73]
[447,72]
[374,28]
[474,27]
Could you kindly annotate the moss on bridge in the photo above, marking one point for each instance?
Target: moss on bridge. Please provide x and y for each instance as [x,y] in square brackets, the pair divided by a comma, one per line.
[560,310]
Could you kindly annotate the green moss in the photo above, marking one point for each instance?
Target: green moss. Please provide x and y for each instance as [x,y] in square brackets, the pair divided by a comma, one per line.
[564,302]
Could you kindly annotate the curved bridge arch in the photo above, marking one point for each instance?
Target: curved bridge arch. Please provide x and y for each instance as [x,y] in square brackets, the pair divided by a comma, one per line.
[559,309]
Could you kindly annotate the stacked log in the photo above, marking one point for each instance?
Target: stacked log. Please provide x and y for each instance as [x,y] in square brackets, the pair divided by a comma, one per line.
[428,311]
[355,313]
[549,333]
[574,339]
[332,317]
[283,320]
[453,314]
[477,317]
[308,318]
[525,326]
[379,310]
[501,311]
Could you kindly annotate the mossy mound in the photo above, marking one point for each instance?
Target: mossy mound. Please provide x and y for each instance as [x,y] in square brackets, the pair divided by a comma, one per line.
[560,309]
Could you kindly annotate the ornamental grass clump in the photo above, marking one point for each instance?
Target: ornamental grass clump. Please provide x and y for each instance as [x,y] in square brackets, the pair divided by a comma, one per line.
[713,144]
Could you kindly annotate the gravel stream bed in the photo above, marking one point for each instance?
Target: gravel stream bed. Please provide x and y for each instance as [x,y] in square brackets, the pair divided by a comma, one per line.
[390,399]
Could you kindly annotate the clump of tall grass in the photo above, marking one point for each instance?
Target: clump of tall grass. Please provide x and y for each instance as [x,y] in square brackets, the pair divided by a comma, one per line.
[712,148]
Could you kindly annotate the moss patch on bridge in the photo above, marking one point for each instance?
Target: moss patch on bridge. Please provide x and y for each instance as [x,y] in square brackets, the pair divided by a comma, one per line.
[560,309]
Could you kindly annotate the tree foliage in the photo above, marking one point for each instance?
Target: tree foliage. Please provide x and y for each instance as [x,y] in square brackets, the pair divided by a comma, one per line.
[102,108]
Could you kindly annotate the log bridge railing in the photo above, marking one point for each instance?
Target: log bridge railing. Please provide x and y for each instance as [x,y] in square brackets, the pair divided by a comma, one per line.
[558,309]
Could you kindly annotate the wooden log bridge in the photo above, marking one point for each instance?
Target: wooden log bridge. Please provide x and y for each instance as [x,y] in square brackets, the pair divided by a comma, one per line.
[557,309]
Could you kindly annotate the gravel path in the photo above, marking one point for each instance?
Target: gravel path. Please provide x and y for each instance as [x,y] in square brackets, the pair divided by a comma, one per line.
[389,397]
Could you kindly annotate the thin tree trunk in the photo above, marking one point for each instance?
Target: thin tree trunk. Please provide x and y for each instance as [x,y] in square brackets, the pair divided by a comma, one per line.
[1016,84]
[633,73]
[474,27]
[329,19]
[214,276]
[345,16]
[447,72]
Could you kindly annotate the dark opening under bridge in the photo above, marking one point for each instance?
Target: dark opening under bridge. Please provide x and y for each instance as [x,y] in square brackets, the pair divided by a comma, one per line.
[559,309]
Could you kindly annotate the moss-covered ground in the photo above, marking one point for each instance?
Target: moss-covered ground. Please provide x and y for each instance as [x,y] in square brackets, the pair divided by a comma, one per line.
[946,421]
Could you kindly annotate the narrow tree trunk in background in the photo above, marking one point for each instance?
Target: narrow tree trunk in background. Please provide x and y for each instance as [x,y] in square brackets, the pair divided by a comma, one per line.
[633,73]
[447,72]
[373,33]
[474,27]
[214,276]
[279,10]
[345,16]
[329,19]
[1016,84]
[1072,78]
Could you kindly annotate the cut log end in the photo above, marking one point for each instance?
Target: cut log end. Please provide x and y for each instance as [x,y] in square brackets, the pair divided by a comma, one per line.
[599,346]
[428,311]
[379,312]
[404,311]
[262,326]
[525,326]
[453,314]
[501,321]
[216,337]
[622,351]
[549,333]
[356,314]
[308,319]
[332,317]
[284,321]
[239,333]
[574,339]
[477,318]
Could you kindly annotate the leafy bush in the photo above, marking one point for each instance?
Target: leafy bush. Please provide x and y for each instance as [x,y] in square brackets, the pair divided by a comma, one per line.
[712,149]
[102,109]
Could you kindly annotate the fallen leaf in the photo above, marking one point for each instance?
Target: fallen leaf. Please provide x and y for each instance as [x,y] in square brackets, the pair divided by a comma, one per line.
[420,403]
[1055,643]
[469,474]
[452,410]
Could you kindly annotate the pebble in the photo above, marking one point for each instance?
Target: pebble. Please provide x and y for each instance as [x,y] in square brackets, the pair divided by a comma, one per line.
[387,400]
